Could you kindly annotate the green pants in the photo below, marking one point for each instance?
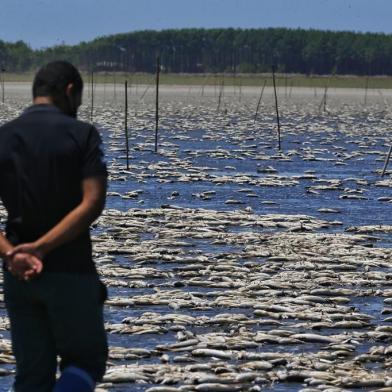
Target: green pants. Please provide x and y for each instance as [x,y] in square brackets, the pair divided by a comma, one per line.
[56,314]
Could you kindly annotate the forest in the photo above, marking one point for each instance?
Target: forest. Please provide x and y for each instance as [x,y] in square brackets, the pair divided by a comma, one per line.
[309,52]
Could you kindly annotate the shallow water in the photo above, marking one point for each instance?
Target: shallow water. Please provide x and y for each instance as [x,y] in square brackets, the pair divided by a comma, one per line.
[201,150]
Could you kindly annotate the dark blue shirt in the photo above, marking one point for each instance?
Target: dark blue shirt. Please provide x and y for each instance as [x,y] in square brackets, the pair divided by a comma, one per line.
[44,156]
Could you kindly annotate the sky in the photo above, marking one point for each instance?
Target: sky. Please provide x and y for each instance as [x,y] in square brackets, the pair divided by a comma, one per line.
[43,23]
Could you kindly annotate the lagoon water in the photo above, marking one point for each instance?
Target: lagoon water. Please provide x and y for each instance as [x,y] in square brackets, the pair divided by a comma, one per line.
[222,161]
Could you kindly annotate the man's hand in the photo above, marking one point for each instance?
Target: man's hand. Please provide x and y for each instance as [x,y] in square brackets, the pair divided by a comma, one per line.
[30,247]
[25,261]
[24,266]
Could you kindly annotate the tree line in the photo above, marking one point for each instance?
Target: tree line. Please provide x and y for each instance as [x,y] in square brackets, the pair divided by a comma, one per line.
[217,50]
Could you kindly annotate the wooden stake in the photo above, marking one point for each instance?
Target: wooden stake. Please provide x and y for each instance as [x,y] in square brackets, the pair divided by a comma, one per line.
[88,83]
[366,90]
[324,100]
[276,107]
[104,88]
[2,85]
[92,97]
[158,66]
[285,86]
[259,101]
[126,122]
[386,161]
[114,87]
[130,85]
[220,95]
[203,85]
[145,92]
[323,103]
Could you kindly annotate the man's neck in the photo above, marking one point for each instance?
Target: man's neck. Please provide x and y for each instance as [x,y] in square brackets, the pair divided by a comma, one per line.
[42,101]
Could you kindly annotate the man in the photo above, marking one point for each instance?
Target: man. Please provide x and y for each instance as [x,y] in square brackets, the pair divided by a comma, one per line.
[53,185]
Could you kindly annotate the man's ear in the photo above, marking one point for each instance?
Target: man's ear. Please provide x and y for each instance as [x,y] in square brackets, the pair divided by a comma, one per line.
[69,90]
[76,97]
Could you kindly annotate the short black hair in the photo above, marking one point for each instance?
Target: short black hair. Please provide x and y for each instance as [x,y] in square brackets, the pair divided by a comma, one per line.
[52,79]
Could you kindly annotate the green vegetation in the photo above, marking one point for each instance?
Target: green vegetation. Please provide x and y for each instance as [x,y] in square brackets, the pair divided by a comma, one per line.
[283,80]
[298,51]
[16,56]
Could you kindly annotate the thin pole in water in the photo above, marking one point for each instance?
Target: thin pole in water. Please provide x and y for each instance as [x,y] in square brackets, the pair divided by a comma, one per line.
[386,162]
[324,100]
[2,85]
[145,92]
[104,87]
[220,95]
[259,101]
[92,97]
[126,122]
[366,90]
[323,103]
[88,84]
[203,85]
[276,107]
[158,66]
[114,87]
[285,85]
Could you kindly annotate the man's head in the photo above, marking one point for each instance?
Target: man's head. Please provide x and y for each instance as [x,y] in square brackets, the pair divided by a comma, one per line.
[61,84]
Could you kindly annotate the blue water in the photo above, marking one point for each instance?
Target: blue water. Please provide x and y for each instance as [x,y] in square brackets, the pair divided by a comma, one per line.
[197,147]
[197,151]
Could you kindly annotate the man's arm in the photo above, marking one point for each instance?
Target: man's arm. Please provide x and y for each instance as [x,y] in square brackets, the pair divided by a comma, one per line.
[5,247]
[74,223]
[22,265]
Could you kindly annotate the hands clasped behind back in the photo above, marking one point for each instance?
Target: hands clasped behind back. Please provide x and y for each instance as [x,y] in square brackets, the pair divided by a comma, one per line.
[24,262]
